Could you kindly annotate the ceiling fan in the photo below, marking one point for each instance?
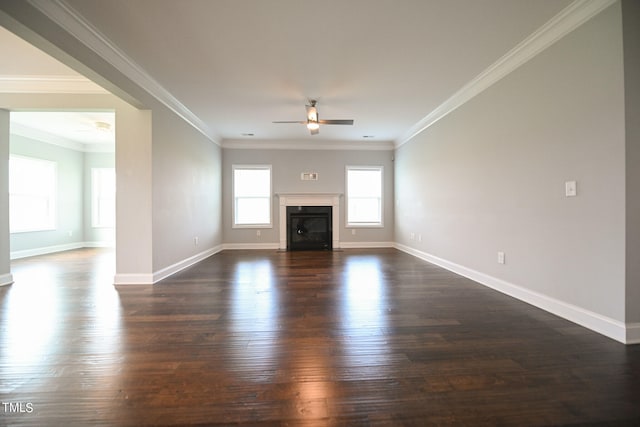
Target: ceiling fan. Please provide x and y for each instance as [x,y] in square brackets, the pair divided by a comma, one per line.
[313,122]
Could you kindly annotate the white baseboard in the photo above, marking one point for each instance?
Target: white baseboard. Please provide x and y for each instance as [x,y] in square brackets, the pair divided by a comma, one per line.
[6,279]
[150,279]
[364,245]
[59,248]
[46,250]
[99,244]
[633,333]
[133,279]
[343,245]
[185,263]
[242,246]
[614,329]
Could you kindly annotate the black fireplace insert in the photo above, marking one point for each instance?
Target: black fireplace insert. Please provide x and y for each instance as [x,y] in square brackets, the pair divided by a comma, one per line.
[309,228]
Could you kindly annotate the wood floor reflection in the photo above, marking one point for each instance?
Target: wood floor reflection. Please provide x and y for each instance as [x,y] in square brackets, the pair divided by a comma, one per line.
[358,337]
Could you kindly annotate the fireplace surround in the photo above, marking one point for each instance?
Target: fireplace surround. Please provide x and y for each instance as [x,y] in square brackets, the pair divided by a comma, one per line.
[309,228]
[310,199]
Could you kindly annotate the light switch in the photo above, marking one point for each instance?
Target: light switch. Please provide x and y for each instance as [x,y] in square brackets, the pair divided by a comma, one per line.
[570,189]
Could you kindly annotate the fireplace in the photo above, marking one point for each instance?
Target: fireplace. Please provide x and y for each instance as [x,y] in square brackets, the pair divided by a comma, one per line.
[331,200]
[309,228]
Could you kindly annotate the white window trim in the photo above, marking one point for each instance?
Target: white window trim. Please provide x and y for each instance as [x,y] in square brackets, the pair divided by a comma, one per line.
[54,208]
[346,190]
[233,197]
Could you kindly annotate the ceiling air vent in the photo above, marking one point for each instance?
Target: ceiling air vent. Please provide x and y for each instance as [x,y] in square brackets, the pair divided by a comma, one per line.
[309,176]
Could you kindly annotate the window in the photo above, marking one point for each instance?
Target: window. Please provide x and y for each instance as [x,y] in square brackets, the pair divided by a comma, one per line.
[364,196]
[252,196]
[103,197]
[32,194]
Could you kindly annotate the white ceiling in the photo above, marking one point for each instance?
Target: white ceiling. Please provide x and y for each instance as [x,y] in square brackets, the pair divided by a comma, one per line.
[79,130]
[238,65]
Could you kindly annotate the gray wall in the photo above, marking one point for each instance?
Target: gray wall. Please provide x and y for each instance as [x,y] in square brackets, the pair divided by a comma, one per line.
[69,204]
[490,176]
[287,165]
[134,219]
[631,34]
[186,190]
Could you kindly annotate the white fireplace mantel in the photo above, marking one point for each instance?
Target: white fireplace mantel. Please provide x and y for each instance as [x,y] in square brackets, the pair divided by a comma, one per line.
[310,199]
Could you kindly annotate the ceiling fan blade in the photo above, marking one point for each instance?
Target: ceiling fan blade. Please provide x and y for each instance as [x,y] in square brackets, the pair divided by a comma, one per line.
[335,122]
[313,121]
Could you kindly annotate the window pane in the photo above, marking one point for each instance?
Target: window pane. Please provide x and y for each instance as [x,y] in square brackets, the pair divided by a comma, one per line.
[364,196]
[106,209]
[363,210]
[32,194]
[29,213]
[365,183]
[103,197]
[252,182]
[253,211]
[252,195]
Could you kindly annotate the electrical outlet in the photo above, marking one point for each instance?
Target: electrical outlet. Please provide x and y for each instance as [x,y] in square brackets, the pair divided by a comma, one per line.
[570,189]
[500,257]
[196,241]
[420,238]
[412,236]
[258,233]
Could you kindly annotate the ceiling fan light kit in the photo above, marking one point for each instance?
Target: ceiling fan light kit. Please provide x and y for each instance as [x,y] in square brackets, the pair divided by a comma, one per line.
[103,127]
[313,122]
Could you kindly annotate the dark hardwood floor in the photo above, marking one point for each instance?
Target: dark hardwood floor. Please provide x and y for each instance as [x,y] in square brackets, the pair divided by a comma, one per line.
[359,337]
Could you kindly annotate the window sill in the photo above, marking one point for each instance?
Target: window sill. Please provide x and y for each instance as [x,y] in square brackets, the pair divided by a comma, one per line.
[249,226]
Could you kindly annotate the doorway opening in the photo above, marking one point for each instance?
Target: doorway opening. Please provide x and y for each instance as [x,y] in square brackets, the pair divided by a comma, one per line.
[61,181]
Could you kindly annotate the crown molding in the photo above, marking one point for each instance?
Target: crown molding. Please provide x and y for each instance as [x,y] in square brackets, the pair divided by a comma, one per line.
[293,144]
[49,84]
[77,26]
[570,18]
